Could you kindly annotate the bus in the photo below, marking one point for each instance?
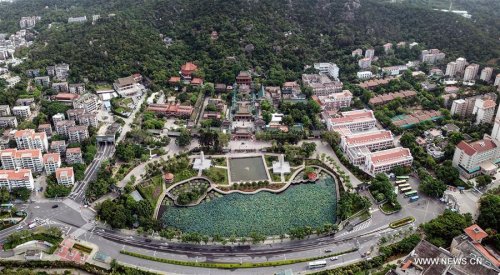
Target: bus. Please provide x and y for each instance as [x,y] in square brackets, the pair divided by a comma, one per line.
[410,194]
[414,198]
[402,177]
[406,189]
[404,185]
[400,182]
[317,264]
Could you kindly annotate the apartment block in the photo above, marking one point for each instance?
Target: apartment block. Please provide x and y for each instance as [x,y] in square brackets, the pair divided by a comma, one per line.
[334,101]
[89,102]
[4,110]
[330,69]
[78,88]
[45,128]
[321,85]
[21,111]
[58,146]
[8,122]
[473,158]
[28,139]
[74,155]
[51,162]
[63,126]
[13,159]
[354,121]
[16,178]
[88,120]
[484,110]
[432,56]
[486,74]
[65,176]
[77,134]
[73,114]
[471,72]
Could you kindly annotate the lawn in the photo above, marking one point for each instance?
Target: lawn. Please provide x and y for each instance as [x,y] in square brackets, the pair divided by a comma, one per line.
[219,161]
[151,190]
[388,207]
[184,174]
[217,175]
[264,213]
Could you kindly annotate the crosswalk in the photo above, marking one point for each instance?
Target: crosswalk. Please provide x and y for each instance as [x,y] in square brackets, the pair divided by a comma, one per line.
[356,228]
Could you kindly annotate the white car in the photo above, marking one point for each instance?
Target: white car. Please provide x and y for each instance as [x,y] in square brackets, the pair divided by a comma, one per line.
[19,227]
[334,258]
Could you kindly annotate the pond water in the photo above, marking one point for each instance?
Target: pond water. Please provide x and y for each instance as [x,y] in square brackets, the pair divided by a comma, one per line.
[264,213]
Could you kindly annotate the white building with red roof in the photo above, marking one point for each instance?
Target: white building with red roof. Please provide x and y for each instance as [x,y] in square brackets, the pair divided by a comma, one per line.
[334,101]
[74,155]
[13,159]
[386,160]
[28,139]
[16,178]
[51,162]
[355,121]
[474,158]
[65,176]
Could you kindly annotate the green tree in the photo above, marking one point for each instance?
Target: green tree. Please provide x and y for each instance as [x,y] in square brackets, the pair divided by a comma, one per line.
[441,230]
[184,138]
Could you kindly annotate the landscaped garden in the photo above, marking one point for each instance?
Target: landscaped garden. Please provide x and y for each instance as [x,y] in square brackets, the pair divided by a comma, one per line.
[263,213]
[217,175]
[152,189]
[190,192]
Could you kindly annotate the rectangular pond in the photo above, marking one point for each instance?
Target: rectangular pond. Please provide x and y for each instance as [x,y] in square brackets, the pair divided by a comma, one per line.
[264,213]
[247,169]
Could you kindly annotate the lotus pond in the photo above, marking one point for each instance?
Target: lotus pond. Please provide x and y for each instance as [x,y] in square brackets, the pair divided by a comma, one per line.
[264,213]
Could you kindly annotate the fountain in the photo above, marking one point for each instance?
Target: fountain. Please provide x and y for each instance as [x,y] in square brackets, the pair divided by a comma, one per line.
[202,163]
[281,166]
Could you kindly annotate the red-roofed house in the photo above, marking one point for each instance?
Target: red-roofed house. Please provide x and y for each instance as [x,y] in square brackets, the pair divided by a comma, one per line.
[66,98]
[13,159]
[386,160]
[174,80]
[475,233]
[51,162]
[197,81]
[16,178]
[65,176]
[355,121]
[187,70]
[476,157]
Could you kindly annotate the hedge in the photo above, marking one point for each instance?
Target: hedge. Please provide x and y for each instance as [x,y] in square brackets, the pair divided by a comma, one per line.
[401,222]
[230,265]
[82,248]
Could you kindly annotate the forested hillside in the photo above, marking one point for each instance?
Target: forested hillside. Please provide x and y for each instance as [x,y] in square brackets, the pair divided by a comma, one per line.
[275,37]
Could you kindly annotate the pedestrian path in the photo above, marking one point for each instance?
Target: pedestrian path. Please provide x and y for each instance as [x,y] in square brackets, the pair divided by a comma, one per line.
[356,228]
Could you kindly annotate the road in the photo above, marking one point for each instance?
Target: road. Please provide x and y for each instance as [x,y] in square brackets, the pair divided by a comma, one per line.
[104,151]
[126,127]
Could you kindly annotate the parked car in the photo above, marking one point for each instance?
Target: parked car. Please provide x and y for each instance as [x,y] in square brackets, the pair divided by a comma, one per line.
[55,206]
[334,258]
[328,250]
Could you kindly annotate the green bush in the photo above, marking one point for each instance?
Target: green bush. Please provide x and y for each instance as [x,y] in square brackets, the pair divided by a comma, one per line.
[401,222]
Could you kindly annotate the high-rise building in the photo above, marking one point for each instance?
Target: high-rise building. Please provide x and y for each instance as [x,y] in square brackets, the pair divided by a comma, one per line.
[370,53]
[330,69]
[22,159]
[432,56]
[484,110]
[451,69]
[486,74]
[65,176]
[461,62]
[471,72]
[28,139]
[51,162]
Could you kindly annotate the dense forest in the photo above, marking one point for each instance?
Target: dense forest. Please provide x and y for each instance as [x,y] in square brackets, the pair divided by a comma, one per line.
[276,38]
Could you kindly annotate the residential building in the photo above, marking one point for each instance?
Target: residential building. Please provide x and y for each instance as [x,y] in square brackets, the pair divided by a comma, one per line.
[58,146]
[365,63]
[401,44]
[25,102]
[78,88]
[77,134]
[357,52]
[321,85]
[330,69]
[387,48]
[27,22]
[21,111]
[81,19]
[88,120]
[451,69]
[394,70]
[58,117]
[32,73]
[473,158]
[8,122]
[66,98]
[386,160]
[43,81]
[363,75]
[370,53]
[73,114]
[45,128]
[16,178]
[471,72]
[51,162]
[355,121]
[4,110]
[486,74]
[497,80]
[469,246]
[175,110]
[51,70]
[60,87]
[244,77]
[290,89]
[74,155]
[61,72]
[13,159]
[89,102]
[335,101]
[63,126]
[464,107]
[432,56]
[28,139]
[126,85]
[65,176]
[484,110]
[461,63]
